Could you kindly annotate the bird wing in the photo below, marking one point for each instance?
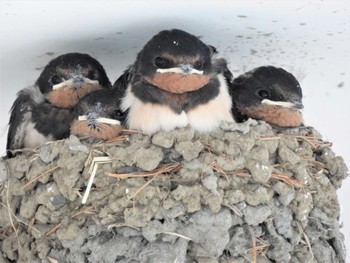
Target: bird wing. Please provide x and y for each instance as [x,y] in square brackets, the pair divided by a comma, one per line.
[21,114]
[51,121]
[238,117]
[34,121]
[121,84]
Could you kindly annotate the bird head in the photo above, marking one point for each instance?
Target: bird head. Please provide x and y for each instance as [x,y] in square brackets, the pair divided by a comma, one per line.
[69,77]
[269,93]
[175,61]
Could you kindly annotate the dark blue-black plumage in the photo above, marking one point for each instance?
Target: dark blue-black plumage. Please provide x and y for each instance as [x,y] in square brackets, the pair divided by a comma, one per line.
[44,111]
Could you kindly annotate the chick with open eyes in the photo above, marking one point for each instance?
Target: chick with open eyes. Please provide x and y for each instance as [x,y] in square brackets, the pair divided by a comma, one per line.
[177,81]
[43,112]
[268,93]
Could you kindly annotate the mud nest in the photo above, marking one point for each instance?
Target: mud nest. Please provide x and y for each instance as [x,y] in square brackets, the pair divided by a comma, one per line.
[244,193]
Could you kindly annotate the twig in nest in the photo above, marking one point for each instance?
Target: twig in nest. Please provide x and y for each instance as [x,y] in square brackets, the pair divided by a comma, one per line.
[52,260]
[320,167]
[142,187]
[39,176]
[178,235]
[52,230]
[167,168]
[89,158]
[123,225]
[315,142]
[208,147]
[218,169]
[31,224]
[88,210]
[6,230]
[301,231]
[234,209]
[272,138]
[93,169]
[242,173]
[253,249]
[260,246]
[20,221]
[10,214]
[99,160]
[288,180]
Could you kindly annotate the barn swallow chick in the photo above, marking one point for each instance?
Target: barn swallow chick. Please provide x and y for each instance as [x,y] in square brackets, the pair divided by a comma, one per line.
[98,115]
[176,81]
[68,78]
[270,94]
[43,112]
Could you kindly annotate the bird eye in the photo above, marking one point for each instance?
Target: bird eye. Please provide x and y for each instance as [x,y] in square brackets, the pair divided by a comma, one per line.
[93,75]
[198,64]
[159,61]
[118,114]
[55,80]
[264,94]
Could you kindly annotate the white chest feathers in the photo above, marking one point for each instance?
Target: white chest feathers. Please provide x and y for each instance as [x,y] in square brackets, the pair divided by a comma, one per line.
[150,118]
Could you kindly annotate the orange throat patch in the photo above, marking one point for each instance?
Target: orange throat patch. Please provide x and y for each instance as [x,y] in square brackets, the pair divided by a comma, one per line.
[68,97]
[178,83]
[104,131]
[279,116]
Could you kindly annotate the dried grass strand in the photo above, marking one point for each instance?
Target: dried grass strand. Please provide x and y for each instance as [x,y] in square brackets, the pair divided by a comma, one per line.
[142,187]
[52,260]
[218,169]
[253,249]
[88,210]
[234,209]
[270,138]
[301,231]
[178,235]
[167,168]
[10,214]
[52,230]
[39,176]
[288,180]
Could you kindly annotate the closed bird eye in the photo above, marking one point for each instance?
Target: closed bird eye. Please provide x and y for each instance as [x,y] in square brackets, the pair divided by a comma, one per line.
[263,93]
[55,80]
[159,62]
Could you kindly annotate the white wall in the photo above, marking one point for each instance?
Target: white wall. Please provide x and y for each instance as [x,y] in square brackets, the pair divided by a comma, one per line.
[311,39]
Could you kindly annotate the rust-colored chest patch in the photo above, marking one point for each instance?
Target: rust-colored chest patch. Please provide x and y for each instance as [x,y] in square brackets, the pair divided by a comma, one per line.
[103,131]
[279,116]
[68,97]
[178,83]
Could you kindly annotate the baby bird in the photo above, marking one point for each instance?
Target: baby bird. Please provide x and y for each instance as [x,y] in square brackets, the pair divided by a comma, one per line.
[176,81]
[268,93]
[43,112]
[98,115]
